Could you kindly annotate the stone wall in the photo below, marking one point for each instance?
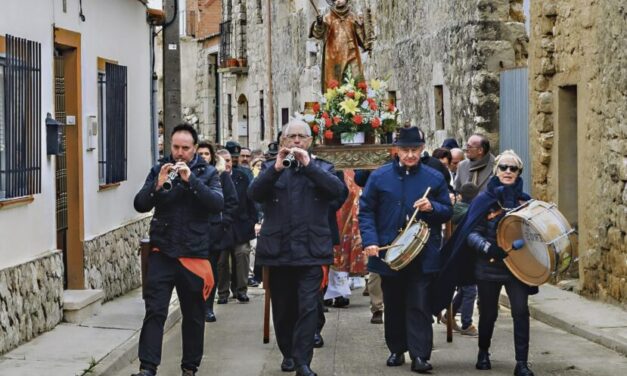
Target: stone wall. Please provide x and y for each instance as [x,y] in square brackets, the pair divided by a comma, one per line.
[581,43]
[31,297]
[111,260]
[460,45]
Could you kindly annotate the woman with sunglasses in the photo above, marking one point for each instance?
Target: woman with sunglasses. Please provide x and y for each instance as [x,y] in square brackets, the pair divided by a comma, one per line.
[503,194]
[484,264]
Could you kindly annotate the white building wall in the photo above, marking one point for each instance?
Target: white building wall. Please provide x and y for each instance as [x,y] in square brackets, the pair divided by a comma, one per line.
[113,29]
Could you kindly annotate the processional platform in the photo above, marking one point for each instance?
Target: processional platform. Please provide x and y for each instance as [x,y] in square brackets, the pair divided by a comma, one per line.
[349,157]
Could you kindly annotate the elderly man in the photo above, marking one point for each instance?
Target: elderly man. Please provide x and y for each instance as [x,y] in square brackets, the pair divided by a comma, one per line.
[296,191]
[391,195]
[478,165]
[457,155]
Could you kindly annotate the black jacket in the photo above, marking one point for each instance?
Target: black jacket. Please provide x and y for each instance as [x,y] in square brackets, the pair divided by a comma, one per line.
[245,215]
[181,218]
[220,228]
[296,204]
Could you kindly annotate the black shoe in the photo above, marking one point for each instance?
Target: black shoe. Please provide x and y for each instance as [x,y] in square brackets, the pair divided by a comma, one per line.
[287,365]
[328,302]
[318,341]
[395,360]
[242,298]
[483,360]
[377,318]
[144,372]
[304,370]
[188,372]
[522,369]
[210,316]
[420,365]
[252,282]
[341,302]
[223,300]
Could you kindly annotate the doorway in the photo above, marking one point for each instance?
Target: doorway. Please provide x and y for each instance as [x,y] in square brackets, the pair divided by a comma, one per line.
[243,130]
[68,171]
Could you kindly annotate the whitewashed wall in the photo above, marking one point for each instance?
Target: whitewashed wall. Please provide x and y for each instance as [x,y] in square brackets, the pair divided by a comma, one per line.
[113,29]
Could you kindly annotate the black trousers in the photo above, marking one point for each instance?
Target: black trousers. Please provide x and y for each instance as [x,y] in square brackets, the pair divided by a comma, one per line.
[164,274]
[518,294]
[295,297]
[321,319]
[408,320]
[213,260]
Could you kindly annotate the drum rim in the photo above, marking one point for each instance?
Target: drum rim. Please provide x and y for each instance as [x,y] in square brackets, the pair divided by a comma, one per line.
[397,264]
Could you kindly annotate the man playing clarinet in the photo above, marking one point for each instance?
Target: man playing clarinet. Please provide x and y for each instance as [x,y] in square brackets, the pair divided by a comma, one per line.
[393,194]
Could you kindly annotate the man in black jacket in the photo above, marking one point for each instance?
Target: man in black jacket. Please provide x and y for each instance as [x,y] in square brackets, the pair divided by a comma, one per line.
[183,191]
[242,232]
[295,240]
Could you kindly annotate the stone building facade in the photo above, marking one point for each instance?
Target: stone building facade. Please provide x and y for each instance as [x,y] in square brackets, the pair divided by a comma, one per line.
[578,113]
[452,53]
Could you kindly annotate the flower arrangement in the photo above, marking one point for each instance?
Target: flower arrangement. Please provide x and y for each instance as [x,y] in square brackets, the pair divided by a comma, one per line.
[351,108]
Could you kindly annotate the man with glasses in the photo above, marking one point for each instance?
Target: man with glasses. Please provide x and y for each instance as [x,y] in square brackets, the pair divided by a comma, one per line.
[478,165]
[295,240]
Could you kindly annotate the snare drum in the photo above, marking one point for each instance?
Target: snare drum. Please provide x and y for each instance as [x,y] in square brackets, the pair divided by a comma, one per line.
[407,245]
[550,242]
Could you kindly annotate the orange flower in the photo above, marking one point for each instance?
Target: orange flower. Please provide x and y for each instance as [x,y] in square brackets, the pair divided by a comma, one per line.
[333,84]
[337,120]
[327,122]
[315,129]
[391,107]
[376,123]
[350,94]
[325,115]
[362,86]
[328,135]
[358,119]
[316,107]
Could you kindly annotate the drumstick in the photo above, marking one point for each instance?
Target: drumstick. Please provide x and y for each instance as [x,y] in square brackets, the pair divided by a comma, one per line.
[416,211]
[391,246]
[315,7]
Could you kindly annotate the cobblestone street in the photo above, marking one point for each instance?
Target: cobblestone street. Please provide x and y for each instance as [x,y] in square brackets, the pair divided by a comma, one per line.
[353,346]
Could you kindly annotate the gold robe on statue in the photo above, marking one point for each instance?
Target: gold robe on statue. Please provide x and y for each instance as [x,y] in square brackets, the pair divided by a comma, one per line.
[342,34]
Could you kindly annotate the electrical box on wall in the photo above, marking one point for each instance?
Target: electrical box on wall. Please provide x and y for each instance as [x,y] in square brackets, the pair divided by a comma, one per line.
[92,132]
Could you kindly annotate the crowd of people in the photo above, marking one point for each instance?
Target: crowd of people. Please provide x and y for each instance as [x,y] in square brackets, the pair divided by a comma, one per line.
[225,216]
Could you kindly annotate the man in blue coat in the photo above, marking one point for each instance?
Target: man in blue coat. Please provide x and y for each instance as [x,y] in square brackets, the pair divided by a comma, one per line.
[295,240]
[392,194]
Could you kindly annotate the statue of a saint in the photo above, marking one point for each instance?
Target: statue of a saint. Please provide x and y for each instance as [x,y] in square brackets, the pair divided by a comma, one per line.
[343,32]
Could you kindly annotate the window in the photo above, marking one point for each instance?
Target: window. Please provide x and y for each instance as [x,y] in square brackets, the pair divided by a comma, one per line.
[20,118]
[112,123]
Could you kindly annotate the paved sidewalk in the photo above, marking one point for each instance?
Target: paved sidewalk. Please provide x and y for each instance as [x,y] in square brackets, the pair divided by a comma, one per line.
[598,322]
[107,343]
[102,342]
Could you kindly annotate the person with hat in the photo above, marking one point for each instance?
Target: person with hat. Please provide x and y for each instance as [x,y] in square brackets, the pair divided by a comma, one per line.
[392,194]
[273,150]
[235,150]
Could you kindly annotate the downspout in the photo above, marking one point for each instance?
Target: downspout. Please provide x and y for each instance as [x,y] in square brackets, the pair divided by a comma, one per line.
[269,66]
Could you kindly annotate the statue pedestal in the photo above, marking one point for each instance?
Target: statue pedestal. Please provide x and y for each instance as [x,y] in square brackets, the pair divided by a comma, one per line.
[349,157]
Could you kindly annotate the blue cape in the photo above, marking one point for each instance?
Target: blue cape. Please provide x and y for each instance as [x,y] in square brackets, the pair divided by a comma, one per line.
[459,261]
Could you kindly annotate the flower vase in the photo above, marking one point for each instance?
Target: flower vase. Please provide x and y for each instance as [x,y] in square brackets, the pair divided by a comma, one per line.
[352,138]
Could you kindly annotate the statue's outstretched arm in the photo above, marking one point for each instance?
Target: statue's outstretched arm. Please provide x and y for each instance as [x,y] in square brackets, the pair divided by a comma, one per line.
[318,28]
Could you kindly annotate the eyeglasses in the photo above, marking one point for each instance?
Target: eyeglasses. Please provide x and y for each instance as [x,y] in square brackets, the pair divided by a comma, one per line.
[504,168]
[293,136]
[466,147]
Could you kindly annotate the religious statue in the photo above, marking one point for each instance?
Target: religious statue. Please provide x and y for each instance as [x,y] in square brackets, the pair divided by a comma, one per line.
[343,32]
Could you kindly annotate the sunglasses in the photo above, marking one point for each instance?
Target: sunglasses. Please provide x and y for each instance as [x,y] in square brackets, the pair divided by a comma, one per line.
[504,168]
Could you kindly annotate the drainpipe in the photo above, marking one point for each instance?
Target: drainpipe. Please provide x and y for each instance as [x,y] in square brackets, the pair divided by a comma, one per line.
[269,68]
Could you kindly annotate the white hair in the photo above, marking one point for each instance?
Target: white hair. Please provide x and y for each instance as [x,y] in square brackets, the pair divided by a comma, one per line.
[294,122]
[508,154]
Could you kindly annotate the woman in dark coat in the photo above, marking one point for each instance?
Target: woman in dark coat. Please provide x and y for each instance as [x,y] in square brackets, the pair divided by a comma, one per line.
[505,193]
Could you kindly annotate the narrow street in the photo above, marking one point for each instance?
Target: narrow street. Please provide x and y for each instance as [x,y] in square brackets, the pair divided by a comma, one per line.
[353,346]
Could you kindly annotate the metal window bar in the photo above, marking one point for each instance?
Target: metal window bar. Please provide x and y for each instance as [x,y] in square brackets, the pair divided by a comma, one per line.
[102,128]
[225,42]
[116,107]
[61,169]
[242,40]
[21,172]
